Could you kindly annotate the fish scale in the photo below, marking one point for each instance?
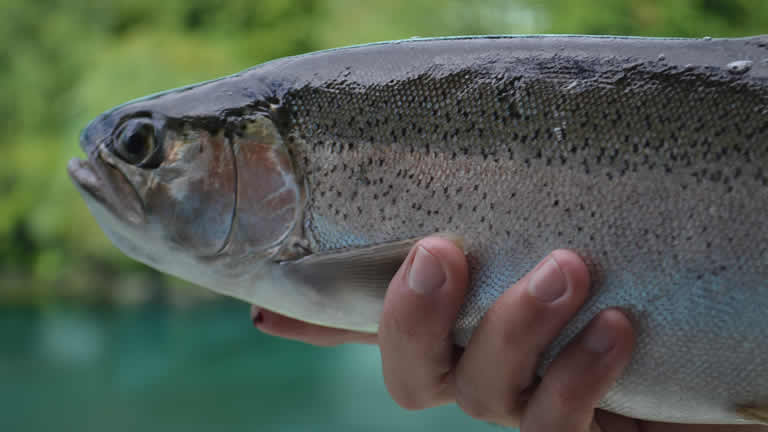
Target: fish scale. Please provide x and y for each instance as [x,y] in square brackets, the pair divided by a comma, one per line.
[646,156]
[523,157]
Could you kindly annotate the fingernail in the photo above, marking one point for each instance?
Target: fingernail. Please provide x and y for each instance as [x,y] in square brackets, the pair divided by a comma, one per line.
[600,337]
[256,317]
[548,282]
[426,274]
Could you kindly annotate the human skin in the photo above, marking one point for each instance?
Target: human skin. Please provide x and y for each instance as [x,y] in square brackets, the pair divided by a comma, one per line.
[422,367]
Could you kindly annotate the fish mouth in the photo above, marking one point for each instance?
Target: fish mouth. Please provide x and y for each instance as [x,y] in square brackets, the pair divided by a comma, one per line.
[105,185]
[85,178]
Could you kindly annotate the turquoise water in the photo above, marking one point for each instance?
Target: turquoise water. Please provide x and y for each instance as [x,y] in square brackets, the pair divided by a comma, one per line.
[202,368]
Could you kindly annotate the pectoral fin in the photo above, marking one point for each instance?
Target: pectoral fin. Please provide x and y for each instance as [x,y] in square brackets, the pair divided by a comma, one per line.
[757,413]
[360,273]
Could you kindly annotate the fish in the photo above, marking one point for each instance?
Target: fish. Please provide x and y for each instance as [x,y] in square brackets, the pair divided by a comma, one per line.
[300,184]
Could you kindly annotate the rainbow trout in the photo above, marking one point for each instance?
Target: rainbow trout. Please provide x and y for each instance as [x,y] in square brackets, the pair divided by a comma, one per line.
[300,184]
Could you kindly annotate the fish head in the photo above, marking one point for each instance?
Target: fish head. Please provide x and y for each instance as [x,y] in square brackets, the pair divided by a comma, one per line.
[178,190]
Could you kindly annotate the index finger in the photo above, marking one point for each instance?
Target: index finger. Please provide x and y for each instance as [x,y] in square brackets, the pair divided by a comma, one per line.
[278,325]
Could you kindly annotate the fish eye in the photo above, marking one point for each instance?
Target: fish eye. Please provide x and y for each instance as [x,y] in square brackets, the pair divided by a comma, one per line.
[135,143]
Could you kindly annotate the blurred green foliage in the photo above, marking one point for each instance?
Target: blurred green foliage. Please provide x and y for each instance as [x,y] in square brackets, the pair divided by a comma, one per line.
[64,61]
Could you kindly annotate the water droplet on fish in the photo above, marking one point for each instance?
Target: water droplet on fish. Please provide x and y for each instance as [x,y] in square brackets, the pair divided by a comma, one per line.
[739,66]
[571,85]
[558,132]
[661,57]
[707,38]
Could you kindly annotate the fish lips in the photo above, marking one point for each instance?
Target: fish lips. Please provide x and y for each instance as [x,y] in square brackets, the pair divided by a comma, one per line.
[105,185]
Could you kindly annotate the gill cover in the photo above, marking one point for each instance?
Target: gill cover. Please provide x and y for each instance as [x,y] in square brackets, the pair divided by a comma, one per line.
[268,204]
[190,198]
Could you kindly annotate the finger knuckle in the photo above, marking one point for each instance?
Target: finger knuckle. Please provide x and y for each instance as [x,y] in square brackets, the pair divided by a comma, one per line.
[474,408]
[488,409]
[399,327]
[410,400]
[527,322]
[565,398]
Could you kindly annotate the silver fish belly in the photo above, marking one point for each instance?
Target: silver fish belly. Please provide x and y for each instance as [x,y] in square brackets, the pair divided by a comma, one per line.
[647,156]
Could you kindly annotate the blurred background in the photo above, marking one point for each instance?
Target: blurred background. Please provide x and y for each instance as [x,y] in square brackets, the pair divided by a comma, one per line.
[90,340]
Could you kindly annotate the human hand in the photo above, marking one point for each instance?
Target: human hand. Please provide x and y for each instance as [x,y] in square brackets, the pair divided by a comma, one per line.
[422,368]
